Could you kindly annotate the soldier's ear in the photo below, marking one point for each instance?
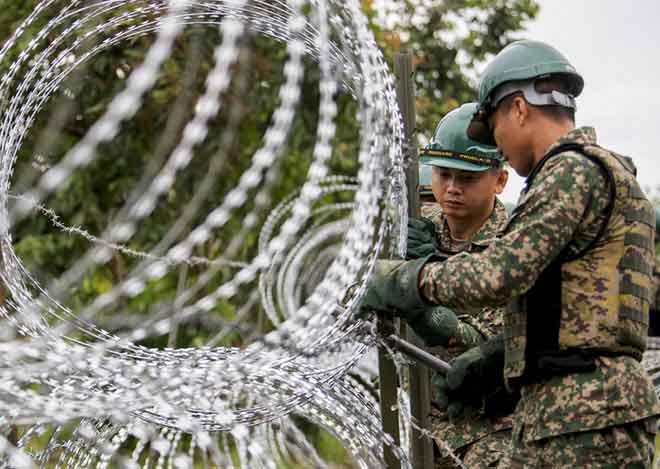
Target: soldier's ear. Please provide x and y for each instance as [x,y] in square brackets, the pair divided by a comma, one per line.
[520,109]
[501,180]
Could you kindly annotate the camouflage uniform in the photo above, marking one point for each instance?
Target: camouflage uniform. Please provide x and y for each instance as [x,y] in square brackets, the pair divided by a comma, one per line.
[562,416]
[478,441]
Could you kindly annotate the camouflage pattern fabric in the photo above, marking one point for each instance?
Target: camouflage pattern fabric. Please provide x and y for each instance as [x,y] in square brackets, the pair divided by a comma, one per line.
[616,392]
[621,446]
[476,435]
[471,436]
[492,451]
[480,239]
[559,213]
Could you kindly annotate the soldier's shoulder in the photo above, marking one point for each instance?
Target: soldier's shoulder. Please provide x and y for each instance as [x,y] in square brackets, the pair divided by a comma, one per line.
[570,170]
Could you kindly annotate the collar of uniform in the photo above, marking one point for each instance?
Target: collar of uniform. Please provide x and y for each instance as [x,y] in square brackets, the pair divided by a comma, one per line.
[482,237]
[582,135]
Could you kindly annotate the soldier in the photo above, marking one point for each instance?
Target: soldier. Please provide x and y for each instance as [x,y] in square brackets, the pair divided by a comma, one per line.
[464,177]
[577,259]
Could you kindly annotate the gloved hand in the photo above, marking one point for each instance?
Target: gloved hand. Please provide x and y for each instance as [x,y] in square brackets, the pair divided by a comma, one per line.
[421,238]
[435,326]
[454,406]
[395,289]
[475,377]
[479,367]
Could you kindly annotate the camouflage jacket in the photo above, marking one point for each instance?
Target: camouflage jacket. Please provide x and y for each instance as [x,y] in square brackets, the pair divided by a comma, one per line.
[560,212]
[473,328]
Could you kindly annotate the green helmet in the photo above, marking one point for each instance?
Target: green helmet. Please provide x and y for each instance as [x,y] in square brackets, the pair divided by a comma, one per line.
[452,148]
[425,180]
[516,68]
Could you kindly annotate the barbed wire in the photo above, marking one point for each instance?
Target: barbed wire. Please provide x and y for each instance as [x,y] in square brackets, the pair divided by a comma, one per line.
[100,397]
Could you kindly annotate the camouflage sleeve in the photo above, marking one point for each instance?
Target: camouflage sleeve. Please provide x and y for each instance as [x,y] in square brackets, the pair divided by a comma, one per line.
[568,195]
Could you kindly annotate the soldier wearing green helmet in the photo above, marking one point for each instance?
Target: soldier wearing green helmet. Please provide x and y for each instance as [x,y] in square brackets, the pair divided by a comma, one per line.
[574,264]
[534,69]
[465,178]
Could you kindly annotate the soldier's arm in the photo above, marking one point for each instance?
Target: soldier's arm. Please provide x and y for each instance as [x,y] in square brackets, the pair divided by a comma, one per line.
[568,191]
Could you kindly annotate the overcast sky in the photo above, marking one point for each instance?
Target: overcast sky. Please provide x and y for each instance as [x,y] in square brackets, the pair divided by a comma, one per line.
[615,45]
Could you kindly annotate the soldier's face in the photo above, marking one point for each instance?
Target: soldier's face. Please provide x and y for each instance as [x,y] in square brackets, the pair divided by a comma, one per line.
[467,194]
[512,135]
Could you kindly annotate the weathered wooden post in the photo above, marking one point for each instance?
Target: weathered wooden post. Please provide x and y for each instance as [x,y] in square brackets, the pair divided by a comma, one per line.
[388,395]
[421,448]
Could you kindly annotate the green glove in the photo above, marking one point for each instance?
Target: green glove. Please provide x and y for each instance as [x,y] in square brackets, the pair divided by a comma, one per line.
[456,408]
[395,289]
[479,370]
[435,326]
[474,380]
[421,238]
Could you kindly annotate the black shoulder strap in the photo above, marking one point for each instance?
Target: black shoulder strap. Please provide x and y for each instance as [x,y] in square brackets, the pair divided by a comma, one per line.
[579,148]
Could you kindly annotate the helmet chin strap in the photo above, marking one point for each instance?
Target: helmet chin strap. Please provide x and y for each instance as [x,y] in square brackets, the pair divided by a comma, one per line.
[554,98]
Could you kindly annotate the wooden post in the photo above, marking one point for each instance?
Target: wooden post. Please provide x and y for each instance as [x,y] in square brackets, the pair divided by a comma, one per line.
[388,395]
[421,447]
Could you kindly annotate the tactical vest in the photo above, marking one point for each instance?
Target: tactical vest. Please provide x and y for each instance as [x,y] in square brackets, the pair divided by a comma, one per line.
[592,303]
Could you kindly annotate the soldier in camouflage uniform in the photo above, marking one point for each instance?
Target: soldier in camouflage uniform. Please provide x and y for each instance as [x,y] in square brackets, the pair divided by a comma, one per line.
[576,258]
[464,178]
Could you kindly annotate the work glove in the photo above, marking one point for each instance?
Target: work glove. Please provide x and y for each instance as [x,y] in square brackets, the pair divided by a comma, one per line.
[422,241]
[453,405]
[476,381]
[395,288]
[435,326]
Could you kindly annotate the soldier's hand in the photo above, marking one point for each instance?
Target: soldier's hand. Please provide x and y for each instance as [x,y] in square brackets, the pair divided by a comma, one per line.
[456,407]
[394,287]
[363,311]
[422,241]
[479,370]
[436,325]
